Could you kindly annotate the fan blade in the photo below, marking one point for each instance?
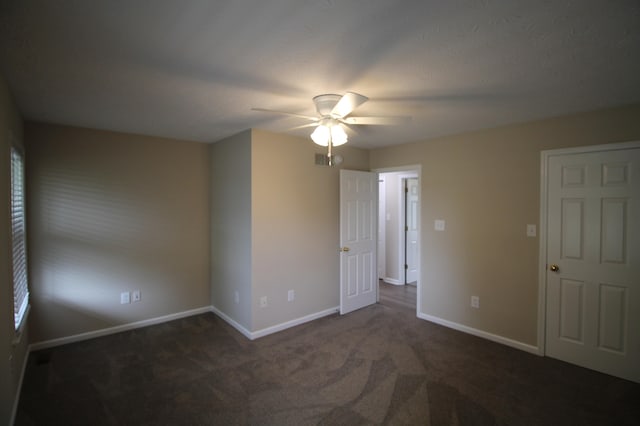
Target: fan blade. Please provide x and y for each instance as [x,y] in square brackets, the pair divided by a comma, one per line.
[382,121]
[351,128]
[347,104]
[304,126]
[293,114]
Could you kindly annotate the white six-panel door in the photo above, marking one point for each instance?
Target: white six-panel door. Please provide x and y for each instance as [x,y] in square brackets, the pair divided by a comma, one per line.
[358,235]
[593,261]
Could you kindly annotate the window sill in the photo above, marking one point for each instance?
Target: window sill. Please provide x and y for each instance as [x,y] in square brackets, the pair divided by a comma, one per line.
[20,331]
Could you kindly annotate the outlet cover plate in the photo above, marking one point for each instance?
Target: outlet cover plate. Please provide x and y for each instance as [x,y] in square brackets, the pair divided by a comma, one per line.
[475,302]
[531,230]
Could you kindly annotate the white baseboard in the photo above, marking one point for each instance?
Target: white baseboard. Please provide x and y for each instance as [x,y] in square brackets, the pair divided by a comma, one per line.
[392,281]
[485,335]
[158,320]
[116,329]
[294,322]
[233,323]
[252,335]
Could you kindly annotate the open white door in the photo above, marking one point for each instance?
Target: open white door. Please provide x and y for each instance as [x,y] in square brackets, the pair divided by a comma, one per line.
[411,230]
[593,260]
[358,234]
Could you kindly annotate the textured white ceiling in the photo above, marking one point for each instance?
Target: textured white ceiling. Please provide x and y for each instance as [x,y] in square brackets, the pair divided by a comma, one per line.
[194,69]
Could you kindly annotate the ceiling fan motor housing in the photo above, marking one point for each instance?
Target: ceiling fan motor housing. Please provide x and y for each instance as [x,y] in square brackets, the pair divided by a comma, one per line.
[325,103]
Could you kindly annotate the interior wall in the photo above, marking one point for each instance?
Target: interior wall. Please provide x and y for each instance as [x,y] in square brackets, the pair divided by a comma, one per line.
[110,213]
[12,355]
[295,226]
[485,185]
[231,261]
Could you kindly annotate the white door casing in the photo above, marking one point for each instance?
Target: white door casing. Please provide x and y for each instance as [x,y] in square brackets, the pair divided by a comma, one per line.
[593,237]
[382,230]
[411,234]
[358,235]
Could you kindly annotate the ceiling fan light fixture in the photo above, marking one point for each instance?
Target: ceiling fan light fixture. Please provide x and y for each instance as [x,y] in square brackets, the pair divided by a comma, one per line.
[338,135]
[321,135]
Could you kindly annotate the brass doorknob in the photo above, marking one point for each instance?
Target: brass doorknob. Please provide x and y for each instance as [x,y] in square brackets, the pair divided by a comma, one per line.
[554,268]
[344,249]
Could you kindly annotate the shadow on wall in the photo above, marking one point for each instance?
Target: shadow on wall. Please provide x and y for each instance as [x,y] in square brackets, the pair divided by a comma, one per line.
[90,239]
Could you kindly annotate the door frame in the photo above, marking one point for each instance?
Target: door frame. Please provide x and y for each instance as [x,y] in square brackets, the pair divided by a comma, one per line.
[542,256]
[382,229]
[415,169]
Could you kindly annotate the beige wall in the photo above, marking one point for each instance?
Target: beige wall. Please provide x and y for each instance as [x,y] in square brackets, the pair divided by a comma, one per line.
[231,227]
[274,227]
[12,356]
[295,226]
[112,212]
[486,186]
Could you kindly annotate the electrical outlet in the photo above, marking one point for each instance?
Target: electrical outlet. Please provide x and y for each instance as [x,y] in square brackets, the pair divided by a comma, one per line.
[263,302]
[291,295]
[439,225]
[531,230]
[475,302]
[136,296]
[236,297]
[125,297]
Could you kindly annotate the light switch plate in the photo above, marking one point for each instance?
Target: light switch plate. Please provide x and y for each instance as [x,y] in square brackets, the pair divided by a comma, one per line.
[125,297]
[439,225]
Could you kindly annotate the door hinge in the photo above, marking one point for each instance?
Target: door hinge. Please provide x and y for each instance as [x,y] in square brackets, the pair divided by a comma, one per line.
[406,266]
[406,228]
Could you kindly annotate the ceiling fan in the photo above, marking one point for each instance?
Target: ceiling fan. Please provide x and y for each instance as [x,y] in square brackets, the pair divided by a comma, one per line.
[334,112]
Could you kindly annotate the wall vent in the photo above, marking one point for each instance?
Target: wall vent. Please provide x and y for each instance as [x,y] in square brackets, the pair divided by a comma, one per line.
[321,160]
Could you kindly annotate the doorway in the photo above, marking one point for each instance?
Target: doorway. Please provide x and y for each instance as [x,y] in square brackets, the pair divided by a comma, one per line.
[399,227]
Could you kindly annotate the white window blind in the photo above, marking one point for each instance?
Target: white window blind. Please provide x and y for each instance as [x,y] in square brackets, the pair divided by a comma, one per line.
[18,238]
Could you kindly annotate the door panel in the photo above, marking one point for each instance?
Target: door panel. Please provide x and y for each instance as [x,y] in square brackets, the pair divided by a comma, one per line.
[572,228]
[614,229]
[571,307]
[613,317]
[358,225]
[593,299]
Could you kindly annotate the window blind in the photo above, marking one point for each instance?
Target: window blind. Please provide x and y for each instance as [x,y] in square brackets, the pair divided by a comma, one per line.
[18,238]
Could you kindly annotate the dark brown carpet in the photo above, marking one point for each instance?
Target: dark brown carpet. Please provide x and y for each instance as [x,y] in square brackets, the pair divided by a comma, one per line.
[379,365]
